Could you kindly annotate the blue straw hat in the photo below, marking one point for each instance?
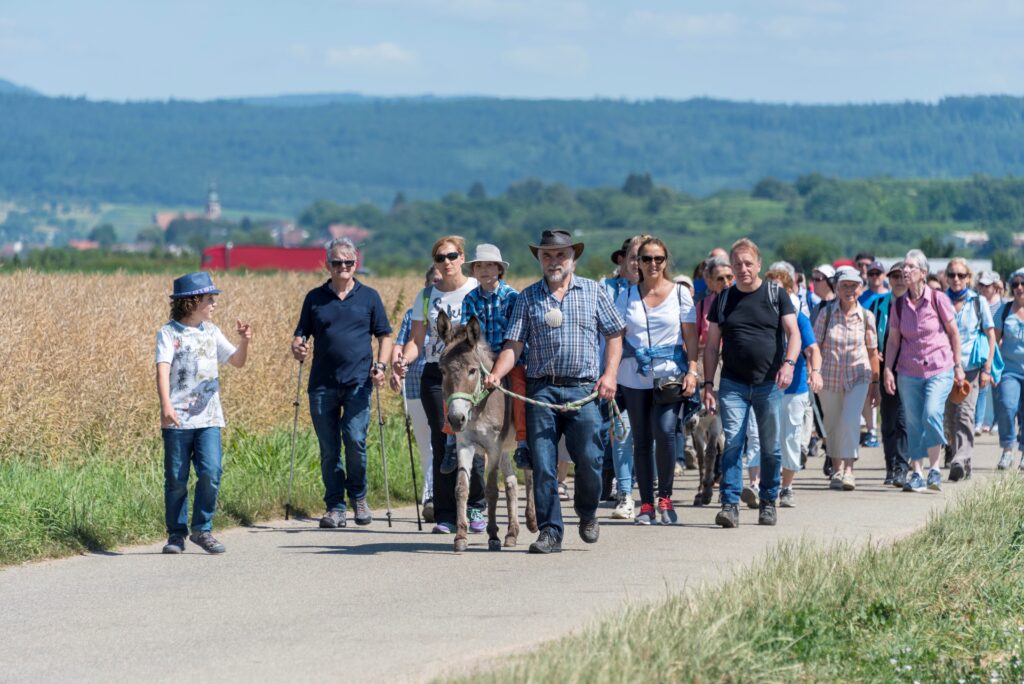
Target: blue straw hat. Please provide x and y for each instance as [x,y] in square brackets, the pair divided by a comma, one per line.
[193,285]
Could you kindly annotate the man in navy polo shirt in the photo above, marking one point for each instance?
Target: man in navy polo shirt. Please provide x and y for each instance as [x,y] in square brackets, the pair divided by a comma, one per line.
[342,315]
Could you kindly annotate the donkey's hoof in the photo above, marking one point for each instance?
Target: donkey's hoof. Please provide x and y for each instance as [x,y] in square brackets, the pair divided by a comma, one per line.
[494,545]
[510,541]
[698,500]
[706,496]
[461,545]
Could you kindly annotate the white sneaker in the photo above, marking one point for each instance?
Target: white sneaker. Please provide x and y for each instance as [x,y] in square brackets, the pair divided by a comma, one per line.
[1005,461]
[625,509]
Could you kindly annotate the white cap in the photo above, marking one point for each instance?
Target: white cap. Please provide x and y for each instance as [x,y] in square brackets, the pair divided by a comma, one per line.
[848,274]
[825,270]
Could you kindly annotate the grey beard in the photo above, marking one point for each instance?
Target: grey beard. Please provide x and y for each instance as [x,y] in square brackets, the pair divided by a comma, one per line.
[559,279]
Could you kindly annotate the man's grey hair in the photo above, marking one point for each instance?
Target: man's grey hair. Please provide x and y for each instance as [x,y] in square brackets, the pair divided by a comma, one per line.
[711,263]
[342,244]
[918,258]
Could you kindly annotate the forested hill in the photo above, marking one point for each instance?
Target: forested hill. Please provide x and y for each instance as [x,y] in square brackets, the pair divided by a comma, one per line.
[282,158]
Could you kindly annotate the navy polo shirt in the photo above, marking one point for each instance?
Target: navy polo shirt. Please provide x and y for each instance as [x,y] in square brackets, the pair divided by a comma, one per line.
[342,330]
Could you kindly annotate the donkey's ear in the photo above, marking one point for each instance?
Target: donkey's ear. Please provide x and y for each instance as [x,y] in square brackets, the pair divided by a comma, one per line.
[473,331]
[444,327]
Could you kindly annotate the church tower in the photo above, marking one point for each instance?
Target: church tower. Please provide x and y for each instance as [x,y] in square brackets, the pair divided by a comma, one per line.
[212,203]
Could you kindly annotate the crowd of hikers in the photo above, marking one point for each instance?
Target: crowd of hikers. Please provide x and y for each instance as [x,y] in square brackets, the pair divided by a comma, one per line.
[759,368]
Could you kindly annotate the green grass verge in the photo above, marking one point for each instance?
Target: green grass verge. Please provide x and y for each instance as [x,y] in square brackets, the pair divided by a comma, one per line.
[943,605]
[104,502]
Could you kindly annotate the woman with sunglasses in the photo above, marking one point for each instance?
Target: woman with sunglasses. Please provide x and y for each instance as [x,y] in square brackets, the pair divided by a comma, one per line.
[974,323]
[660,344]
[1009,332]
[449,254]
[924,350]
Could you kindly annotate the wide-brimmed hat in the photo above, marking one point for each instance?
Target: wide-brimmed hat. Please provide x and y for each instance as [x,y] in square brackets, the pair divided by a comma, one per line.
[988,278]
[556,239]
[621,251]
[486,253]
[193,285]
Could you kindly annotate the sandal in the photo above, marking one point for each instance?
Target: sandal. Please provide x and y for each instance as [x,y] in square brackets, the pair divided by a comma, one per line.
[563,493]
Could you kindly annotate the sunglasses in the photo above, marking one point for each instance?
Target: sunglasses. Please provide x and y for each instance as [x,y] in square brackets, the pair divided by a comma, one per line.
[874,273]
[450,256]
[1016,283]
[819,279]
[647,259]
[342,263]
[863,264]
[895,275]
[956,275]
[725,279]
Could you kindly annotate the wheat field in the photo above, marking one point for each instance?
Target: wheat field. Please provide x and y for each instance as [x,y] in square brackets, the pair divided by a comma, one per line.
[77,376]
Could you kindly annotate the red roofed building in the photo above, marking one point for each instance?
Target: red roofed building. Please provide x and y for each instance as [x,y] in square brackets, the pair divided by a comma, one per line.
[356,234]
[83,245]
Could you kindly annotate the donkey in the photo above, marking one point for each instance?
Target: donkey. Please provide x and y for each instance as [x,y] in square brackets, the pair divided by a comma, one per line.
[482,421]
[708,442]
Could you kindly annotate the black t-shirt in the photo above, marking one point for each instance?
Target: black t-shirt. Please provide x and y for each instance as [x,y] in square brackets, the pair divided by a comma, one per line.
[753,341]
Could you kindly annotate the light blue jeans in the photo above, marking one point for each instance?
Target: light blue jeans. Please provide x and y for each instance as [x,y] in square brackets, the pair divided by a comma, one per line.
[924,403]
[1009,409]
[984,413]
[737,401]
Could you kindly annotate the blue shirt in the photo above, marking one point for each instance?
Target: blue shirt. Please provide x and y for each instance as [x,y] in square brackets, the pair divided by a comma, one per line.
[968,325]
[494,311]
[571,349]
[799,384]
[415,371]
[342,330]
[1012,346]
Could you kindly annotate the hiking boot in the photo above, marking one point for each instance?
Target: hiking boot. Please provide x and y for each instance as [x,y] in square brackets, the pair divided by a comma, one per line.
[521,457]
[749,497]
[899,478]
[364,516]
[428,510]
[175,544]
[646,516]
[451,458]
[836,482]
[889,475]
[826,466]
[849,482]
[206,542]
[546,543]
[786,498]
[477,524]
[729,516]
[767,515]
[590,530]
[333,519]
[625,509]
[443,528]
[956,472]
[935,480]
[915,483]
[666,511]
[608,486]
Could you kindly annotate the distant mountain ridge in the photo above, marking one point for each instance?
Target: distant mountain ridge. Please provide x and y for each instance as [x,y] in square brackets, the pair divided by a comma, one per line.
[282,153]
[319,99]
[9,88]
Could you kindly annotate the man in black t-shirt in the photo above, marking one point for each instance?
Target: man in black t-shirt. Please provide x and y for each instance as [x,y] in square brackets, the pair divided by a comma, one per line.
[754,322]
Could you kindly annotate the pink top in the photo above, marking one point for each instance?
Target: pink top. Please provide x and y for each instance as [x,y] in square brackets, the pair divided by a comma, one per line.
[925,349]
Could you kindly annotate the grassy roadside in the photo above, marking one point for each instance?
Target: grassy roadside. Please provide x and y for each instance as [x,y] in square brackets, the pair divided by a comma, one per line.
[52,510]
[945,604]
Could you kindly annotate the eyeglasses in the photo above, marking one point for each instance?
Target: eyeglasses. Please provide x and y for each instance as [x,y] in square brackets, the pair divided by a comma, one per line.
[725,278]
[450,256]
[956,275]
[895,275]
[342,263]
[648,258]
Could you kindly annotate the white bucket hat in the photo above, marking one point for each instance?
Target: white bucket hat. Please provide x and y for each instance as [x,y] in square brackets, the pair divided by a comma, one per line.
[488,253]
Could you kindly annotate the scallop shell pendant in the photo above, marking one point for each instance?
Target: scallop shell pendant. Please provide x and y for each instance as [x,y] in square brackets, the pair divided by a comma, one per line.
[553,318]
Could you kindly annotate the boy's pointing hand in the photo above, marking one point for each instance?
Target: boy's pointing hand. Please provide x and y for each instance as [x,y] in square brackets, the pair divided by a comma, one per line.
[244,330]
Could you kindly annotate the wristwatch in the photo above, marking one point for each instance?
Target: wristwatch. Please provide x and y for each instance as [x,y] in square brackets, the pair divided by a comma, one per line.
[790,362]
[707,383]
[381,366]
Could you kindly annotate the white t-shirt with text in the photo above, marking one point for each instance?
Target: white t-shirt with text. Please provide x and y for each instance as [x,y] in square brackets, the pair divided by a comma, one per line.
[451,304]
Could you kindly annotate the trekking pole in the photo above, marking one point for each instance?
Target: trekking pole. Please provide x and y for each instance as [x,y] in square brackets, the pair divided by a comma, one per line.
[412,460]
[295,427]
[383,458]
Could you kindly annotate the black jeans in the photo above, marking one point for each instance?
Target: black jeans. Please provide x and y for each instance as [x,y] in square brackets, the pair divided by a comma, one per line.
[652,424]
[432,396]
[894,432]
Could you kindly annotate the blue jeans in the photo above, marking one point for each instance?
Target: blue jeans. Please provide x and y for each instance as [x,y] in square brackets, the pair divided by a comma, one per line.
[582,432]
[924,407]
[984,413]
[341,416]
[1009,409]
[736,401]
[182,448]
[653,425]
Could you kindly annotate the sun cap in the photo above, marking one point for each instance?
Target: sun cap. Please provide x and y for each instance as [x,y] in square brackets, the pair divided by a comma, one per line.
[193,285]
[848,274]
[825,270]
[988,278]
[487,253]
[876,266]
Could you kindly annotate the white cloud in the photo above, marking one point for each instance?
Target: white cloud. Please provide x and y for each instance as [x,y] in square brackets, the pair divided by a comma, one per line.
[385,53]
[685,25]
[558,59]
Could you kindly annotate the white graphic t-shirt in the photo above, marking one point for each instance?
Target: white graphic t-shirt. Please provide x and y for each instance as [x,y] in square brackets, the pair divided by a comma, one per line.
[194,353]
[451,304]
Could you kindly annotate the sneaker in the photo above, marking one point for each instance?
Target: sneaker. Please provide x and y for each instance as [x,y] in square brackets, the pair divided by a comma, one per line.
[477,524]
[786,498]
[625,509]
[679,470]
[729,516]
[333,519]
[590,530]
[899,479]
[666,511]
[915,483]
[563,492]
[871,441]
[522,457]
[428,510]
[767,515]
[451,459]
[935,480]
[826,466]
[956,472]
[646,516]
[546,543]
[206,542]
[364,516]
[443,528]
[836,482]
[849,483]
[889,475]
[749,497]
[175,544]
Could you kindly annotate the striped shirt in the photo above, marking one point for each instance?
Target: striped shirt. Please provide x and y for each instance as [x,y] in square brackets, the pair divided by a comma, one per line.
[844,346]
[571,349]
[493,310]
[415,370]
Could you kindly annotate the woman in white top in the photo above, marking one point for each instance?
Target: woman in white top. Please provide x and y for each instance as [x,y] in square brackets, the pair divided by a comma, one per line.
[449,254]
[660,320]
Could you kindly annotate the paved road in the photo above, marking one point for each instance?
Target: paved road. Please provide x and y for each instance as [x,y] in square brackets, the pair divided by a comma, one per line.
[291,602]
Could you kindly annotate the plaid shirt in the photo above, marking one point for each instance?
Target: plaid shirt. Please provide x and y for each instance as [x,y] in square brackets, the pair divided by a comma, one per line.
[571,349]
[844,347]
[494,311]
[414,372]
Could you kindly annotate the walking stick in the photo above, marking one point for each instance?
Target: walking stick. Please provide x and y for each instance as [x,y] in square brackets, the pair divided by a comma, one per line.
[295,427]
[383,458]
[412,460]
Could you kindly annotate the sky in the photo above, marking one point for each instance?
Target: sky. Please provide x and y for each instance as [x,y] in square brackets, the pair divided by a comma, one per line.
[798,51]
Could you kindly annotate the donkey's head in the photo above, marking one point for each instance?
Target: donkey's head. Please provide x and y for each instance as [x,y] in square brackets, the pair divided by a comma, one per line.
[462,381]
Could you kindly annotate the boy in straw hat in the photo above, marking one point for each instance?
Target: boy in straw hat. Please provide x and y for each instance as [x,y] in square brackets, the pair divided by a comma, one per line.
[188,350]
